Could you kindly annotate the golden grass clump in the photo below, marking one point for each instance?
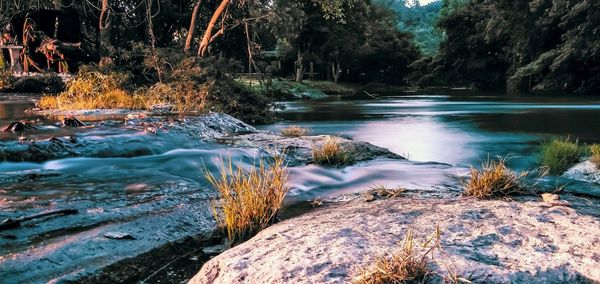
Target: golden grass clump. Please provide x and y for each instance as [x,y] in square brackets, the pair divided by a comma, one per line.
[383,191]
[332,153]
[94,89]
[558,154]
[595,154]
[250,199]
[294,131]
[495,179]
[410,264]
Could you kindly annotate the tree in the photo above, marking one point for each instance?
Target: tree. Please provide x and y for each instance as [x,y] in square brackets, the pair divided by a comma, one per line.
[104,30]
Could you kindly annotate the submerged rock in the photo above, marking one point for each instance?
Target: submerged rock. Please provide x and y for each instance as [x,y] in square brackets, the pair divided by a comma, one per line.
[71,121]
[19,126]
[492,241]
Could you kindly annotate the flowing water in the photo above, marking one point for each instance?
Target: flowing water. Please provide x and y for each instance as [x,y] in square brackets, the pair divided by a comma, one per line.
[160,195]
[458,130]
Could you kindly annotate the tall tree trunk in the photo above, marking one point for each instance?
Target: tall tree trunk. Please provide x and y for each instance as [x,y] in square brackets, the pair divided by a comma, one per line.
[300,67]
[192,29]
[249,45]
[104,27]
[208,34]
[336,71]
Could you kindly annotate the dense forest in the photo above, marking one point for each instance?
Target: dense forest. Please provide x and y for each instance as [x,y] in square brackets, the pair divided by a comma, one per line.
[536,45]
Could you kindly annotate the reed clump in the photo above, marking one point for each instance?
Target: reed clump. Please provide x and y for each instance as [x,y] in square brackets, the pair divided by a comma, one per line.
[331,153]
[294,131]
[494,179]
[249,199]
[410,264]
[558,154]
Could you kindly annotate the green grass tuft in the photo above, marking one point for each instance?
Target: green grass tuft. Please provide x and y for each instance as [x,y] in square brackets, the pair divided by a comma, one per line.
[558,154]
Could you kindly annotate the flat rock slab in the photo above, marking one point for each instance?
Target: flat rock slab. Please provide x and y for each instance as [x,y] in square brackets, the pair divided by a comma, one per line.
[298,150]
[493,241]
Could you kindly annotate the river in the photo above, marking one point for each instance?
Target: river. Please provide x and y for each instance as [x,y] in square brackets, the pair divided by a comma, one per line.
[441,134]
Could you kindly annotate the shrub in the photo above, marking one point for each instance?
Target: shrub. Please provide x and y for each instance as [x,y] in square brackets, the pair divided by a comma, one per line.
[559,154]
[495,179]
[6,79]
[595,154]
[410,264]
[250,200]
[294,131]
[331,153]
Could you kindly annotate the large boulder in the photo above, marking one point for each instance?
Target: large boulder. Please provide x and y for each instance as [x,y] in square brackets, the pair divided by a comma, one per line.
[492,241]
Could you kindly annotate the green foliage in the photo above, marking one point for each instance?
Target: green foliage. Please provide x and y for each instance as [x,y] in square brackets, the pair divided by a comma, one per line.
[558,154]
[418,20]
[366,45]
[533,45]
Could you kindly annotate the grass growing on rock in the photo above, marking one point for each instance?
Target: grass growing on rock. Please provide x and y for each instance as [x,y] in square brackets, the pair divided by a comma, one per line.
[595,154]
[494,179]
[332,153]
[558,154]
[294,131]
[250,199]
[410,264]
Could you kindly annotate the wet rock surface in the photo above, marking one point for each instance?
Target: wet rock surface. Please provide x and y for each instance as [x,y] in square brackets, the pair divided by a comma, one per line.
[138,135]
[489,241]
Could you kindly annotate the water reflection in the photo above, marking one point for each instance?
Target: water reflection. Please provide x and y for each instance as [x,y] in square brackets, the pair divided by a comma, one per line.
[455,129]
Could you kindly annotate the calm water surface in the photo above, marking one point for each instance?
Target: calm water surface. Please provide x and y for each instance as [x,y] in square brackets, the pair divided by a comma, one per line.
[455,129]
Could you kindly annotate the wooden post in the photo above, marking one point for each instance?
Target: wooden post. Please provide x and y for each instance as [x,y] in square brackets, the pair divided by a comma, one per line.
[312,71]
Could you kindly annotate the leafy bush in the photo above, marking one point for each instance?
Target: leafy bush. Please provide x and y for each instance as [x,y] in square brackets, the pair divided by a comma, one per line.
[250,200]
[494,179]
[559,154]
[331,153]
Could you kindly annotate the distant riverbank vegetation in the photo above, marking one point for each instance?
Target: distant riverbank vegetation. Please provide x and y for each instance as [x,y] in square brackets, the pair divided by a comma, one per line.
[202,55]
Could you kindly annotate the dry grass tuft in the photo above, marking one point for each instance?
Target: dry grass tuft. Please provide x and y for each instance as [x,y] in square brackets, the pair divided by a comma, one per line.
[410,264]
[250,200]
[595,154]
[294,131]
[382,191]
[559,154]
[495,179]
[331,153]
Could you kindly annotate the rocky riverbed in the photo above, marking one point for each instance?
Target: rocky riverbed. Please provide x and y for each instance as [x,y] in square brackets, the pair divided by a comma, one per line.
[124,229]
